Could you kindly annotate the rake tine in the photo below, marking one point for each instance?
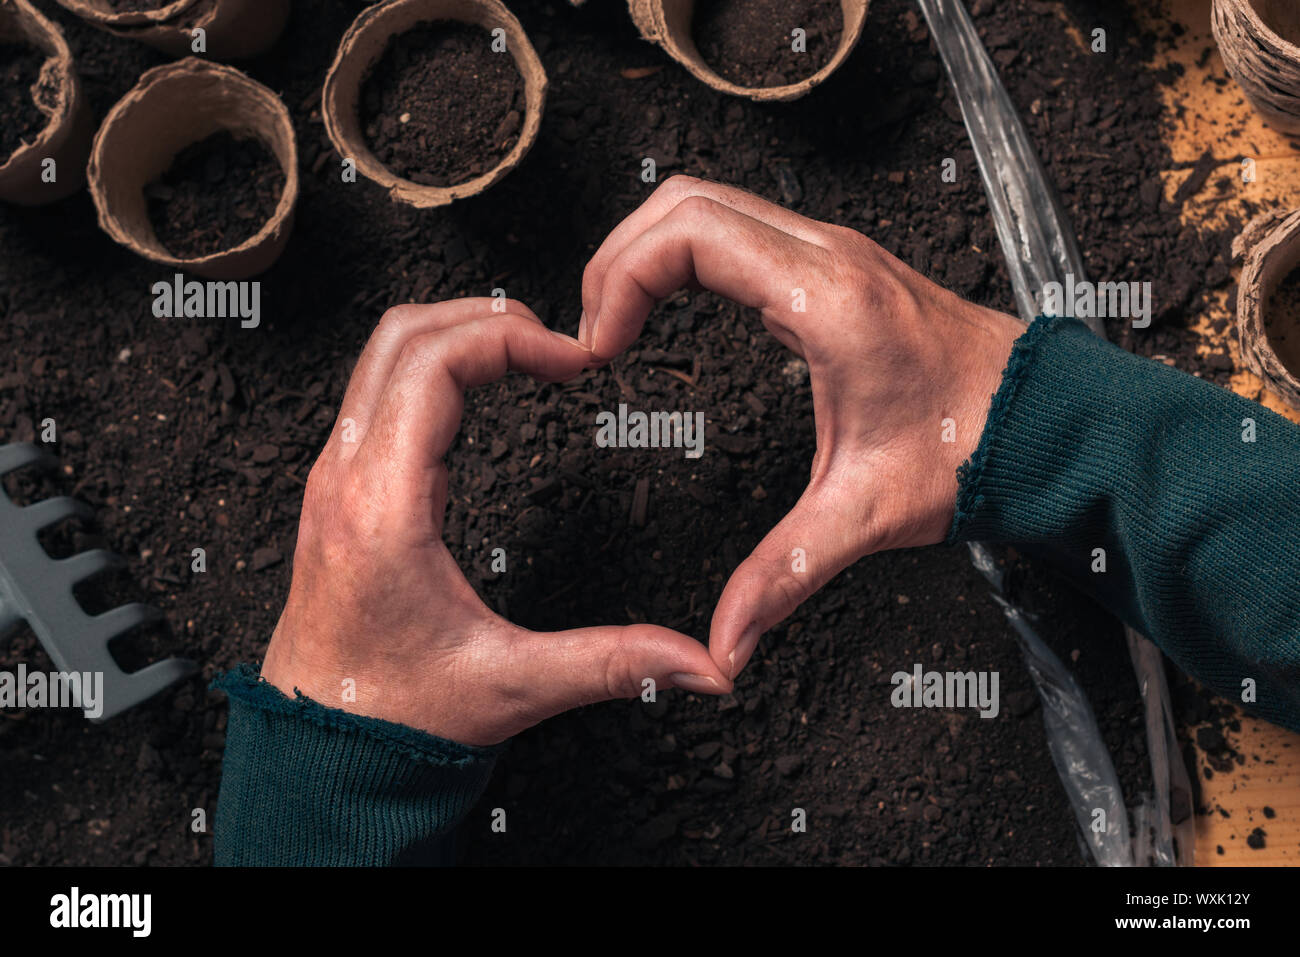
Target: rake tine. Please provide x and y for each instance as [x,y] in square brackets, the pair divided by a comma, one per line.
[136,686]
[83,565]
[21,454]
[51,511]
[118,621]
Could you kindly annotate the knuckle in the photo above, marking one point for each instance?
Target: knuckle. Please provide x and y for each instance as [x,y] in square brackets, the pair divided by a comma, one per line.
[849,242]
[696,206]
[315,497]
[678,185]
[790,591]
[864,282]
[774,578]
[321,488]
[358,515]
[421,350]
[317,484]
[395,317]
[620,679]
[513,307]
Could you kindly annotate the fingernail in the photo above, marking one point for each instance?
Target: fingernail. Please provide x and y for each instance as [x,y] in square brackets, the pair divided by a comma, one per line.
[743,650]
[570,339]
[582,329]
[700,684]
[591,333]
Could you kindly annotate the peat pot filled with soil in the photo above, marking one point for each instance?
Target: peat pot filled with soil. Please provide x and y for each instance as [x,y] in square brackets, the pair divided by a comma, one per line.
[196,168]
[435,100]
[761,49]
[231,28]
[1260,44]
[46,125]
[1268,301]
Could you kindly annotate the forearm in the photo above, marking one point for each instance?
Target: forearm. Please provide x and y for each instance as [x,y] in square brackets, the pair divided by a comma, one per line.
[1195,509]
[307,785]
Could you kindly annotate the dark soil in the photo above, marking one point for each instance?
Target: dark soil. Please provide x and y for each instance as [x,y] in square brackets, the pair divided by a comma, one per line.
[750,42]
[440,106]
[20,69]
[1282,322]
[197,433]
[1208,725]
[217,193]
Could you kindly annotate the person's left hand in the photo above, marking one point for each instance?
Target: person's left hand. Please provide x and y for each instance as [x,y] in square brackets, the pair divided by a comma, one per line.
[377,604]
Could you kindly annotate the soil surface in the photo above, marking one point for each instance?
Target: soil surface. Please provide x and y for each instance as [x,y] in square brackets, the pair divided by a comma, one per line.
[441,107]
[750,42]
[1282,322]
[20,69]
[217,193]
[197,433]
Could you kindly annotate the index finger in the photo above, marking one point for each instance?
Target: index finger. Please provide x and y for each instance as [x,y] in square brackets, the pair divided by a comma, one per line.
[726,251]
[668,196]
[396,328]
[419,412]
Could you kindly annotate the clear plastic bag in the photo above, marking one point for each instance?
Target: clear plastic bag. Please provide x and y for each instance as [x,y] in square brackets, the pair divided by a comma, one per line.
[1040,248]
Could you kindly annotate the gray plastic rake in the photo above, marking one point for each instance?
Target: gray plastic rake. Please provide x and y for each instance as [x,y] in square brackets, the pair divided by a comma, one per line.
[37,589]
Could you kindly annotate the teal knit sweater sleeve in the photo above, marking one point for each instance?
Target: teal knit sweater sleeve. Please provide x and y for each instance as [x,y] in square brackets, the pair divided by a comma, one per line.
[1175,502]
[303,784]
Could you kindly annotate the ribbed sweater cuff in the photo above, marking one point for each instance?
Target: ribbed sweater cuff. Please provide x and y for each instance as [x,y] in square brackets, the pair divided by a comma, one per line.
[1190,495]
[303,784]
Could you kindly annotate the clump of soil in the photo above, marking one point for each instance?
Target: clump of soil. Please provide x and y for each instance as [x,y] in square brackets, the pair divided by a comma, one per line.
[1207,725]
[218,193]
[20,68]
[441,107]
[1282,322]
[750,42]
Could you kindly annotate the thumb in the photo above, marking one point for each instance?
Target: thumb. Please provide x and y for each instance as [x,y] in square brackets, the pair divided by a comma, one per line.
[809,547]
[565,669]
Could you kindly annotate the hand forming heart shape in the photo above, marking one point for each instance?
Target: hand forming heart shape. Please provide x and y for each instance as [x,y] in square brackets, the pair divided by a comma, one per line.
[902,372]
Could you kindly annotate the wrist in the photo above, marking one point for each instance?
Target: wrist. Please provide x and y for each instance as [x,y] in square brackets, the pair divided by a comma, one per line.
[986,349]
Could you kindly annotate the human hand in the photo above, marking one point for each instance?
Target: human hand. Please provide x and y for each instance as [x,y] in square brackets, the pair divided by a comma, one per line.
[902,375]
[376,598]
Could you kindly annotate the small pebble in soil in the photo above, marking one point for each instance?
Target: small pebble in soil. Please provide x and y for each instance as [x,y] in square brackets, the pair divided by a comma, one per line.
[265,558]
[441,107]
[217,193]
[752,42]
[20,68]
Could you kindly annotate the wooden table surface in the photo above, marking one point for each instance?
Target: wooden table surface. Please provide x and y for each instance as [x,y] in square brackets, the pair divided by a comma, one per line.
[1201,114]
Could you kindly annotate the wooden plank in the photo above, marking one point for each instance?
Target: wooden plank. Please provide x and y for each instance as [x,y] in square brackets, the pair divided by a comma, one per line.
[1270,779]
[1202,113]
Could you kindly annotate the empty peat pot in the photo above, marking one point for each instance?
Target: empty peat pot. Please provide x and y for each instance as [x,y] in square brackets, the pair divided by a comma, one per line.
[670,24]
[59,126]
[367,42]
[232,28]
[1268,301]
[1259,41]
[175,106]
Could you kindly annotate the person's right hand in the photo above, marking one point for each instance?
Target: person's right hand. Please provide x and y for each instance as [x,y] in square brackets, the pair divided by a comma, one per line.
[897,365]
